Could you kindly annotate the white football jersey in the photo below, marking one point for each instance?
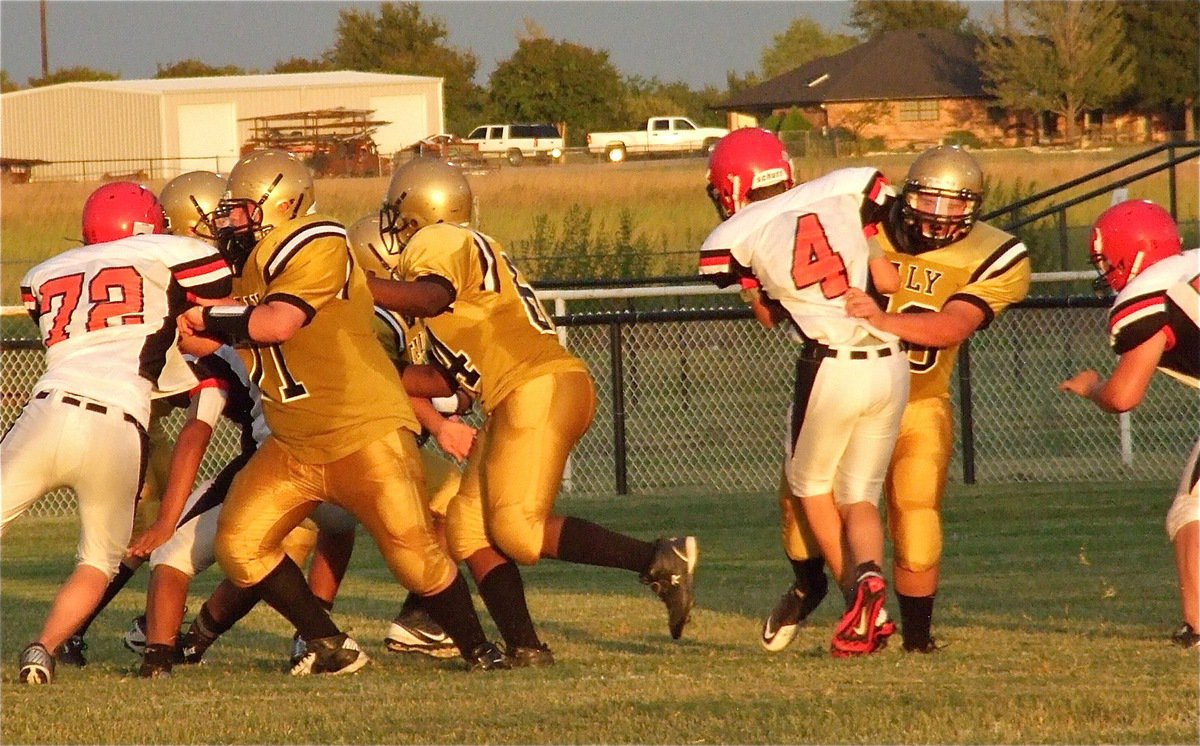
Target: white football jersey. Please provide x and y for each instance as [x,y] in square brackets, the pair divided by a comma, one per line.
[1166,296]
[806,248]
[107,315]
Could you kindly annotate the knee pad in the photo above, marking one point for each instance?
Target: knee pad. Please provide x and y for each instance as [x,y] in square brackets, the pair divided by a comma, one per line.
[1184,510]
[917,539]
[517,536]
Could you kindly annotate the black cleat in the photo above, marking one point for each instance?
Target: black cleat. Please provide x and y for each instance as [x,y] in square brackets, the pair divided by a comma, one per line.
[37,665]
[414,631]
[929,646]
[335,655]
[487,657]
[1186,637]
[526,657]
[672,577]
[156,662]
[70,653]
[781,626]
[191,647]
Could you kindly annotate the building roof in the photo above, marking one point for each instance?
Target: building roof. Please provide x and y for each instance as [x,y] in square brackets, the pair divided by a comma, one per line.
[910,64]
[239,82]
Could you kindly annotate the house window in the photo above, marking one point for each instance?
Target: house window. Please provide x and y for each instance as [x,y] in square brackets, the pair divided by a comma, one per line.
[919,111]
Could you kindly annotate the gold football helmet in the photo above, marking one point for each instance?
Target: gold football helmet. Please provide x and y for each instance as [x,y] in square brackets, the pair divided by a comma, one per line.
[266,189]
[942,197]
[366,243]
[422,192]
[190,201]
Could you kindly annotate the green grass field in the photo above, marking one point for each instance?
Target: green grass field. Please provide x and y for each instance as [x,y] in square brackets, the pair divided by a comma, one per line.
[1056,605]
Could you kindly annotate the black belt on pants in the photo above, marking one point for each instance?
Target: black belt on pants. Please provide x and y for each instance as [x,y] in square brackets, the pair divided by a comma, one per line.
[88,405]
[817,351]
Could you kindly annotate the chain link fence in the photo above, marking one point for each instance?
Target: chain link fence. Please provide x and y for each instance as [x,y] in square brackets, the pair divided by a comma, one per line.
[695,398]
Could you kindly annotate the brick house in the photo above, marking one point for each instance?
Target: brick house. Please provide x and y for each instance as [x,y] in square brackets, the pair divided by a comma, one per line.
[911,88]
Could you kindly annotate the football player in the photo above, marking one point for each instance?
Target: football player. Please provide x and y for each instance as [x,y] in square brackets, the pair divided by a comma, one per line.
[106,312]
[342,429]
[1154,324]
[187,201]
[488,330]
[412,630]
[957,275]
[797,251]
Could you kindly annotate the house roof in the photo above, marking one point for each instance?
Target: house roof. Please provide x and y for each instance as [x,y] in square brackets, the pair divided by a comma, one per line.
[239,82]
[910,64]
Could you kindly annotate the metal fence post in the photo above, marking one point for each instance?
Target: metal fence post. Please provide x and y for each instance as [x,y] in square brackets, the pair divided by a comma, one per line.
[1171,183]
[967,414]
[617,365]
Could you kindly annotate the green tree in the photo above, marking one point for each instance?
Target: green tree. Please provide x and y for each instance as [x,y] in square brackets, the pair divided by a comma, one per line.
[1165,37]
[72,75]
[556,81]
[803,41]
[402,40]
[1074,58]
[650,97]
[6,83]
[873,17]
[301,65]
[194,68]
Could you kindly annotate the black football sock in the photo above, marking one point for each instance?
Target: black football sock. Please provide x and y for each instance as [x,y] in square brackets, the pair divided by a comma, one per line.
[587,543]
[412,602]
[286,590]
[124,573]
[916,619]
[503,593]
[810,576]
[225,607]
[453,611]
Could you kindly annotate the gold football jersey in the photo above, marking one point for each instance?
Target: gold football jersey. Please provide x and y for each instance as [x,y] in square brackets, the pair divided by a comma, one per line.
[989,269]
[330,389]
[495,335]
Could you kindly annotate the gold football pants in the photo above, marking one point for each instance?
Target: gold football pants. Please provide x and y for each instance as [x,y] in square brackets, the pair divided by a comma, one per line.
[916,482]
[158,467]
[382,484]
[515,469]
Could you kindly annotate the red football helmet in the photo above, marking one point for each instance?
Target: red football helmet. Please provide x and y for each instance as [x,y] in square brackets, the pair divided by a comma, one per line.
[119,210]
[742,161]
[1129,237]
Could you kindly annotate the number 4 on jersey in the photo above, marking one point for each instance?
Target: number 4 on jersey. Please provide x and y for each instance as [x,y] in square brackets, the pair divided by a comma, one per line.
[814,260]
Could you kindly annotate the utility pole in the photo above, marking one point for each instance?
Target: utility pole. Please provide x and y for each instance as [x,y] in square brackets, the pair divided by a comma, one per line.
[45,54]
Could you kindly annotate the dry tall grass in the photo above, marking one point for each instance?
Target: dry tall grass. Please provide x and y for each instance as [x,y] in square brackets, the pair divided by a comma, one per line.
[665,199]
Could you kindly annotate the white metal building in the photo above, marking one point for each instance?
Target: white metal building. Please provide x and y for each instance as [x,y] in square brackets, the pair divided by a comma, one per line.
[164,127]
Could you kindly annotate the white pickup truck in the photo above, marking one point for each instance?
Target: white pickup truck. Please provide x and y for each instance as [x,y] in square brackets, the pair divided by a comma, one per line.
[656,135]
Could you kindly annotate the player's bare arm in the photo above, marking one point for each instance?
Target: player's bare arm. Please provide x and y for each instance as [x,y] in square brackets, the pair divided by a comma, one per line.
[1126,388]
[272,322]
[884,275]
[957,320]
[421,298]
[189,451]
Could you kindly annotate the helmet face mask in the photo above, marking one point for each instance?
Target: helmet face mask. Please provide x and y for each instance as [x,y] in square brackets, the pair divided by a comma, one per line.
[1126,239]
[423,192]
[941,199]
[743,162]
[266,189]
[119,210]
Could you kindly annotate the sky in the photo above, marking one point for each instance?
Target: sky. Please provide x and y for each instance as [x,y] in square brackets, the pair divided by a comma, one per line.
[695,41]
